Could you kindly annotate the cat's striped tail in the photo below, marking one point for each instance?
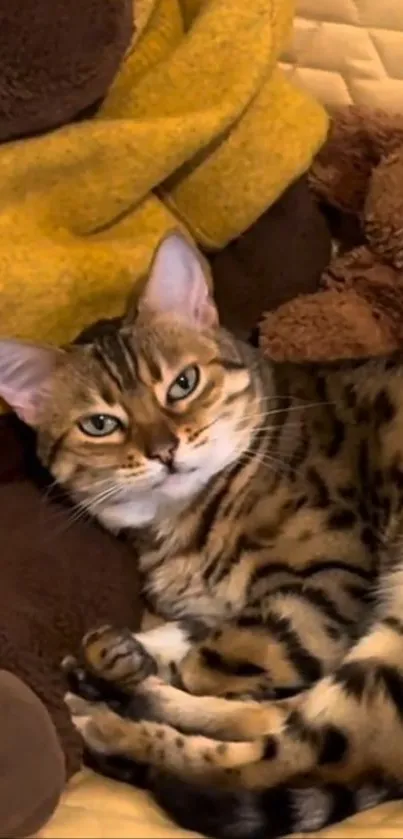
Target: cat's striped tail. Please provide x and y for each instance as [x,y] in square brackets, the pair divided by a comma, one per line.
[222,813]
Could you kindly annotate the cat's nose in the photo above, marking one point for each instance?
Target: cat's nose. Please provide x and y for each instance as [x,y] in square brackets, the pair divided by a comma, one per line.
[163,449]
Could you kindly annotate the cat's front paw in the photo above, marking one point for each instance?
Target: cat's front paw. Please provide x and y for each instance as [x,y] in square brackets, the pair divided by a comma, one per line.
[116,656]
[98,725]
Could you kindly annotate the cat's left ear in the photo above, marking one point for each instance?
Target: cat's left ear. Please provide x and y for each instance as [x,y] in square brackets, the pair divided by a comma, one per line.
[25,376]
[178,284]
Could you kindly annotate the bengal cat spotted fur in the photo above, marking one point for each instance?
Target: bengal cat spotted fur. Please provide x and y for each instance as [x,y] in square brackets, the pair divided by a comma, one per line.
[264,503]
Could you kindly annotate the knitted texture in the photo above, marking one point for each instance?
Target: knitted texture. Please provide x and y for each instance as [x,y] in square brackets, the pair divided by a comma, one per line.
[199,130]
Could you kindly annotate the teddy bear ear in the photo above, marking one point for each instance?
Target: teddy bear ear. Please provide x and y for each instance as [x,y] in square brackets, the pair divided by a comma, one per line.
[25,376]
[178,284]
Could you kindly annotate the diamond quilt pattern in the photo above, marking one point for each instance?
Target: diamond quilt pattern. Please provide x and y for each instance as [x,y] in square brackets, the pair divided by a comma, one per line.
[349,51]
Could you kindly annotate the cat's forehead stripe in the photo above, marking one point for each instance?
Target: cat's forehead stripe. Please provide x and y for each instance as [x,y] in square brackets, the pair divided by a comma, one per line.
[106,366]
[153,367]
[117,356]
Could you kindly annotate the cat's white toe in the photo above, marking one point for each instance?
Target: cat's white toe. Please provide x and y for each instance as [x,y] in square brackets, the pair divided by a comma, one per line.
[77,705]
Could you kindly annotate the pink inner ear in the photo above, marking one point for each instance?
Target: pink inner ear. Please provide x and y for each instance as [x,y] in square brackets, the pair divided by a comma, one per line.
[206,313]
[178,283]
[25,376]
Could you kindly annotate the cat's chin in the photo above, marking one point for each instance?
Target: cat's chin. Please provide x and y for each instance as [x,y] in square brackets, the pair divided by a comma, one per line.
[166,497]
[181,484]
[170,493]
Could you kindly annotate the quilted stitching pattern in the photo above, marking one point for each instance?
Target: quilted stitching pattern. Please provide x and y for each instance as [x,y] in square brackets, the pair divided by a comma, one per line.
[349,51]
[97,808]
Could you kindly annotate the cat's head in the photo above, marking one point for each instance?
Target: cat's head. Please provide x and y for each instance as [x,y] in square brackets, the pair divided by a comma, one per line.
[146,414]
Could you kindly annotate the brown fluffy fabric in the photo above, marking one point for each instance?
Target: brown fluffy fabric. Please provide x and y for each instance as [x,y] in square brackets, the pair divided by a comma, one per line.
[31,759]
[358,309]
[57,58]
[57,581]
[359,138]
[283,254]
[325,326]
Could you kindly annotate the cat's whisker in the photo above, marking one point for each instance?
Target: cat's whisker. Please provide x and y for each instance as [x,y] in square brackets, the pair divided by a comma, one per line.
[275,467]
[273,461]
[50,487]
[94,484]
[102,497]
[276,455]
[51,514]
[78,514]
[295,399]
[256,428]
[59,518]
[291,408]
[79,510]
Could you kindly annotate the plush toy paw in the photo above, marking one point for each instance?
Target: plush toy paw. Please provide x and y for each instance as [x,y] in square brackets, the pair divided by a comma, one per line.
[33,768]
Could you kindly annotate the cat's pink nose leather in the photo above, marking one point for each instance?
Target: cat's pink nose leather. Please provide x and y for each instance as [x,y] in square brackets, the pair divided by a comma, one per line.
[163,448]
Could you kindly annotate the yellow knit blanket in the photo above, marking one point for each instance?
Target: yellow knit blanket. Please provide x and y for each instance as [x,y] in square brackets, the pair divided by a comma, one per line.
[200,129]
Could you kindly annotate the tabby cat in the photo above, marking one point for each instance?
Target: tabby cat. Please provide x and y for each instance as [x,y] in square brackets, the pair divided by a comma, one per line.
[265,504]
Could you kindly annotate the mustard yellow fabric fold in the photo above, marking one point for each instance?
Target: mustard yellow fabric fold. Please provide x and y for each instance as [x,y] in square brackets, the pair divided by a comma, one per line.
[200,130]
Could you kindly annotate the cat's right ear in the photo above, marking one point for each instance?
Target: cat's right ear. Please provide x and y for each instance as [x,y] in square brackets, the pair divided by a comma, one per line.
[178,284]
[25,376]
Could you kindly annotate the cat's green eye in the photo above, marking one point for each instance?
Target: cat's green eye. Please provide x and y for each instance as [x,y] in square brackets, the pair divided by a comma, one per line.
[184,384]
[99,425]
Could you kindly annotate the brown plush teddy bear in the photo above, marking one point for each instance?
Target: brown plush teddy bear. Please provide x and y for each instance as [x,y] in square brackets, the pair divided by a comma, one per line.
[359,307]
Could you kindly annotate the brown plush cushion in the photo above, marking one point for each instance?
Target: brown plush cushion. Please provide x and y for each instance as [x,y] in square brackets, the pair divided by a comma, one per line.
[58,579]
[31,760]
[57,58]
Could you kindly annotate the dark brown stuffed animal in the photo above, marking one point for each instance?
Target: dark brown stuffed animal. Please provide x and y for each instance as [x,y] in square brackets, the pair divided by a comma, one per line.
[359,307]
[280,256]
[57,58]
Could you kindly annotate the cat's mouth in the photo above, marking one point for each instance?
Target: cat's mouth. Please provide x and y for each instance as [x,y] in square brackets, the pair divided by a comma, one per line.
[173,472]
[177,470]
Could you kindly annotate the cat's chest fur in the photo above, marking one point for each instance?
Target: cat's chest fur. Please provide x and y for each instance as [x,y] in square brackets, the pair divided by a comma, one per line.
[182,579]
[206,565]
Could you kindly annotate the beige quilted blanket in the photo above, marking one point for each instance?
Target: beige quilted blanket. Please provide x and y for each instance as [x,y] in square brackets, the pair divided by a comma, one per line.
[344,51]
[348,51]
[96,808]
